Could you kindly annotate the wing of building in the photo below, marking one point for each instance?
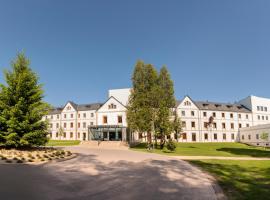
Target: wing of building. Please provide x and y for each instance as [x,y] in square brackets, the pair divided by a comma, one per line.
[202,121]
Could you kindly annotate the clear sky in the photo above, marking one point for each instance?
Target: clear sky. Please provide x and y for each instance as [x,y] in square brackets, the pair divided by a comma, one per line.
[214,49]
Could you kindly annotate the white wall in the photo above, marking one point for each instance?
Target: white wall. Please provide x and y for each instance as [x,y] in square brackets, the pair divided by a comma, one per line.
[121,95]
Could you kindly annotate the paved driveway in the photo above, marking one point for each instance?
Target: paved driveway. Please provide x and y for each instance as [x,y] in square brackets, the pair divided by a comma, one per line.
[106,174]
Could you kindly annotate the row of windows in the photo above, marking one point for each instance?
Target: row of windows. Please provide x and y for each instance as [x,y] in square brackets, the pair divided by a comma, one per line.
[261,108]
[249,137]
[213,125]
[71,135]
[262,117]
[71,116]
[71,125]
[206,136]
[192,113]
[119,119]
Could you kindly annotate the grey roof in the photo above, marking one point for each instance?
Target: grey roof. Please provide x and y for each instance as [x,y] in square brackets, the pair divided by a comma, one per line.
[205,105]
[78,107]
[92,106]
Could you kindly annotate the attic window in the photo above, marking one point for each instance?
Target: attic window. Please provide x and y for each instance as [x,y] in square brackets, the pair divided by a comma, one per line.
[239,107]
[111,106]
[217,105]
[205,105]
[68,108]
[229,106]
[187,103]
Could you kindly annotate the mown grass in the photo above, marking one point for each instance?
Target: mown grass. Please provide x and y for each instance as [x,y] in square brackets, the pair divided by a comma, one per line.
[63,142]
[210,149]
[240,179]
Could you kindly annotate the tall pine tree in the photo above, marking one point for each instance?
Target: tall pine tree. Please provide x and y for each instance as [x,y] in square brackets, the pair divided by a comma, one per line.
[22,107]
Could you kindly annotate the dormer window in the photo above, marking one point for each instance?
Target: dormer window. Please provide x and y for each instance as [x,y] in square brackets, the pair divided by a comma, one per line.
[187,103]
[111,106]
[68,108]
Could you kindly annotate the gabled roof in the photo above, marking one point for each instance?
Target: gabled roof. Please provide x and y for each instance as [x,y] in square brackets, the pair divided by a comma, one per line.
[112,97]
[205,105]
[55,111]
[178,102]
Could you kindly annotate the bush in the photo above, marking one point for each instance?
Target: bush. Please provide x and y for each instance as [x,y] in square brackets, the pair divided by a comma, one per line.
[171,145]
[19,161]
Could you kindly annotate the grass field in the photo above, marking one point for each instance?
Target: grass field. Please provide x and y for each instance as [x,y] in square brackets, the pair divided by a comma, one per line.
[63,142]
[210,149]
[240,179]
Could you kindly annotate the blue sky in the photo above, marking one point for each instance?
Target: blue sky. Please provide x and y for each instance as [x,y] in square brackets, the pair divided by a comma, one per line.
[215,50]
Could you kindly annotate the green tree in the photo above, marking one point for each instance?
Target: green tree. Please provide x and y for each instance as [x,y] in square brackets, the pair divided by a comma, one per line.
[165,103]
[140,111]
[22,107]
[264,136]
[177,125]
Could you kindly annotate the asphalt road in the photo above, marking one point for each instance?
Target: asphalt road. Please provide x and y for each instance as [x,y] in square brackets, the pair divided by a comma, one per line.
[106,174]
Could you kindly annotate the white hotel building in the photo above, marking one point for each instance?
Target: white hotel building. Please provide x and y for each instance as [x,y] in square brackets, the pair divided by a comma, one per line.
[202,121]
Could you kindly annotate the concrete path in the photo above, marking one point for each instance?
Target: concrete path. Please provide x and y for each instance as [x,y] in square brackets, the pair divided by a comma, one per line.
[107,174]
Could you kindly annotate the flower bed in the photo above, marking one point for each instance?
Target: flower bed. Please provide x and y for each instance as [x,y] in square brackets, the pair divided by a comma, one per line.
[36,155]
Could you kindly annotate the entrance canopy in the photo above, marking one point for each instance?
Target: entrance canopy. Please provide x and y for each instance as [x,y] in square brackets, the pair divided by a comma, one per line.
[107,132]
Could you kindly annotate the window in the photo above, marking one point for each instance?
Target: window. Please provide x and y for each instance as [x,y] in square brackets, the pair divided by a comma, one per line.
[56,135]
[193,137]
[239,116]
[192,124]
[240,125]
[192,113]
[111,106]
[223,115]
[265,109]
[232,125]
[184,135]
[215,136]
[214,125]
[261,108]
[71,135]
[51,125]
[204,114]
[119,118]
[91,123]
[105,120]
[183,113]
[205,124]
[78,135]
[224,136]
[46,117]
[232,136]
[247,125]
[57,116]
[206,136]
[84,115]
[57,125]
[71,115]
[249,137]
[183,124]
[84,124]
[231,115]
[214,114]
[79,115]
[223,126]
[79,125]
[92,114]
[258,108]
[262,117]
[187,103]
[65,125]
[257,136]
[65,116]
[243,137]
[259,117]
[266,117]
[51,116]
[246,116]
[71,124]
[64,135]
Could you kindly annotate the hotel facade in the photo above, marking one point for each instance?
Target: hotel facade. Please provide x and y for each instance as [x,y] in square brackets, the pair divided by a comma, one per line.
[202,121]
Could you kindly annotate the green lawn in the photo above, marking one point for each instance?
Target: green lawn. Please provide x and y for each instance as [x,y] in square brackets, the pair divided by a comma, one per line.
[63,142]
[210,149]
[240,179]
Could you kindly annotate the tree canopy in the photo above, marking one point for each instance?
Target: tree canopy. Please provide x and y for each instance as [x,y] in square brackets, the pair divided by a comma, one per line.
[22,106]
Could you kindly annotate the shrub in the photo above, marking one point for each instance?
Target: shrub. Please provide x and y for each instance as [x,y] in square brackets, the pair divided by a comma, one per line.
[19,161]
[171,145]
[4,158]
[15,158]
[30,160]
[8,161]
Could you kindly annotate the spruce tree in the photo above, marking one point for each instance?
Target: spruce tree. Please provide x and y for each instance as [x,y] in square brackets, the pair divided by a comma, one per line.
[166,102]
[22,107]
